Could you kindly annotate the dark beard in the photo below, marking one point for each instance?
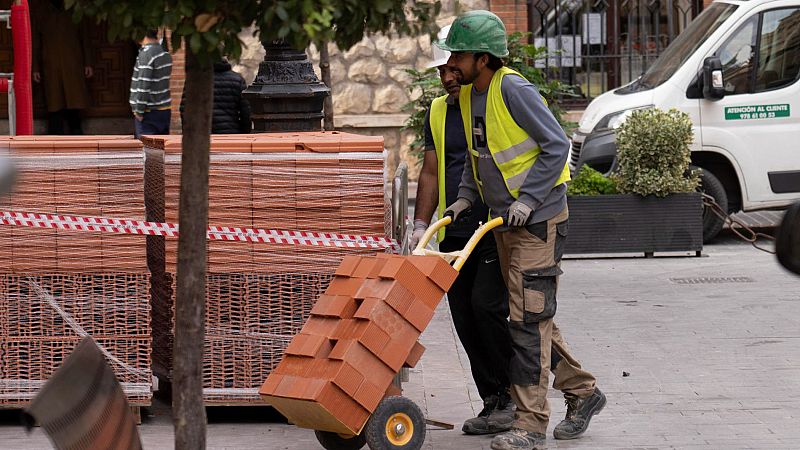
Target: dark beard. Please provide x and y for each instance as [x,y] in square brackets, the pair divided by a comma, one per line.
[469,78]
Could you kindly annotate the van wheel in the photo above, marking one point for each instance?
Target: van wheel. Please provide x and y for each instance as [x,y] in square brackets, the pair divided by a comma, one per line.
[711,186]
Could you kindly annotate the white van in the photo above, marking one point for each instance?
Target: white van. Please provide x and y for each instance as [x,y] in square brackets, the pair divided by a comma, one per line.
[735,71]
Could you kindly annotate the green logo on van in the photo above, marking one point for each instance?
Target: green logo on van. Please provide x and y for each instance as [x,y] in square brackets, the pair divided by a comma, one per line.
[756,112]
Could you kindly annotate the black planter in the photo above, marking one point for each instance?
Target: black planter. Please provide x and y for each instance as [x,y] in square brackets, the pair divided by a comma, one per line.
[635,224]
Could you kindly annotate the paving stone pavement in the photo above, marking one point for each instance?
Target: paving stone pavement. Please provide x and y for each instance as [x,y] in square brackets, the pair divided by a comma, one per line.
[711,346]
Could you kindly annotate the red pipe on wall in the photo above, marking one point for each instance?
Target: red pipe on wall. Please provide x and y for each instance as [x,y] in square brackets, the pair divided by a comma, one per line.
[21,35]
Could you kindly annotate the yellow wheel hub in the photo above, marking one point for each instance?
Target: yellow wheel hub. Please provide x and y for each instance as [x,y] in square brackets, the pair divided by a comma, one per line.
[399,429]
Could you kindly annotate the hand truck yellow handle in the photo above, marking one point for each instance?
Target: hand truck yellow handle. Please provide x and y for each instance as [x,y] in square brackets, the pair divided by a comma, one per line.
[459,257]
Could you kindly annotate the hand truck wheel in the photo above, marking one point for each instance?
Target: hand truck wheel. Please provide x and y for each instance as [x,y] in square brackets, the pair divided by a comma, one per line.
[397,423]
[336,441]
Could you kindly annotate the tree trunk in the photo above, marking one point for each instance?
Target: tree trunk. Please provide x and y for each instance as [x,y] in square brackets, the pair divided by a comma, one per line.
[325,71]
[187,395]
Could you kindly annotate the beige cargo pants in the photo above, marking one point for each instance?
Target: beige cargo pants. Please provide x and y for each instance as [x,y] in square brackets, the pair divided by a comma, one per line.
[530,258]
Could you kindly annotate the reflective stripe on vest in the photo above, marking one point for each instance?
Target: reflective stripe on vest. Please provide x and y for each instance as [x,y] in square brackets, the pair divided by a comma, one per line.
[514,152]
[437,120]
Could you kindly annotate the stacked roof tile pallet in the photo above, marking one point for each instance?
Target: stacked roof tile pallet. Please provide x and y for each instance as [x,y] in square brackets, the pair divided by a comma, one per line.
[360,333]
[258,294]
[57,286]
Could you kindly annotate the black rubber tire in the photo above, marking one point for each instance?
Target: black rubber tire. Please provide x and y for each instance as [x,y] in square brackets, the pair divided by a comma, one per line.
[787,240]
[334,441]
[710,185]
[375,430]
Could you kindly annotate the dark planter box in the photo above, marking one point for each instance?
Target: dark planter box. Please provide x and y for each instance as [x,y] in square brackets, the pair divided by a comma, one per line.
[634,224]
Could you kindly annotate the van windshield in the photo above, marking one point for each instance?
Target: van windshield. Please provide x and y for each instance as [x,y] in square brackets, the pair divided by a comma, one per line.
[682,47]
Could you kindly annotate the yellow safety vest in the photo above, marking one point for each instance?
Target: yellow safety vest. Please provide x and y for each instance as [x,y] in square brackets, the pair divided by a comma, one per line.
[437,120]
[514,152]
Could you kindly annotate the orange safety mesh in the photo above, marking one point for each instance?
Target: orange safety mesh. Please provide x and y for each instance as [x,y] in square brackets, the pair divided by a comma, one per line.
[57,285]
[259,295]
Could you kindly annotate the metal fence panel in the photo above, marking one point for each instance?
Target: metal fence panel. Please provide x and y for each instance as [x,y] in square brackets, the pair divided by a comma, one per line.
[599,45]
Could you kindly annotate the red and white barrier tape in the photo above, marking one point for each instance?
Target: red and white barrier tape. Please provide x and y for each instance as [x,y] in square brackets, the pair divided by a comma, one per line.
[129,226]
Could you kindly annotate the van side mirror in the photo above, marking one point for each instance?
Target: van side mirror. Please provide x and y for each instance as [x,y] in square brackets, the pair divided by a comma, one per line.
[713,83]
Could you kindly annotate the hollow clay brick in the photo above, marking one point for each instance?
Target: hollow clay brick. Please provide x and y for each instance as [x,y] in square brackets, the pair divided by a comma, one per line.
[366,307]
[374,288]
[286,386]
[393,390]
[262,145]
[391,322]
[373,338]
[368,395]
[334,399]
[313,388]
[349,379]
[419,315]
[399,298]
[401,269]
[76,146]
[415,355]
[323,326]
[435,268]
[271,383]
[295,366]
[309,345]
[231,146]
[348,265]
[365,267]
[340,306]
[364,361]
[325,368]
[344,286]
[360,143]
[392,266]
[396,352]
[376,269]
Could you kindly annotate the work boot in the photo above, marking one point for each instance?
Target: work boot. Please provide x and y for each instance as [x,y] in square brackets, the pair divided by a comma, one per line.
[579,413]
[519,439]
[497,415]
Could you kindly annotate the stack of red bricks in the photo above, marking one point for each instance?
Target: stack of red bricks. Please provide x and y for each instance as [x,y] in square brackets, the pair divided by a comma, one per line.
[360,333]
[57,285]
[258,294]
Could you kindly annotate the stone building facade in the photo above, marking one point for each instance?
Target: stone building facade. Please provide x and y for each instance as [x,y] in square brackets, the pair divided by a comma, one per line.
[370,85]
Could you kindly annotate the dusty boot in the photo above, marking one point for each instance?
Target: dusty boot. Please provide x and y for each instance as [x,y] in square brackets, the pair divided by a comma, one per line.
[518,439]
[497,415]
[579,413]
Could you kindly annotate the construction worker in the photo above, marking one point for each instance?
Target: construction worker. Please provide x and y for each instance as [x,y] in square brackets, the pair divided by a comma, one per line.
[518,167]
[478,298]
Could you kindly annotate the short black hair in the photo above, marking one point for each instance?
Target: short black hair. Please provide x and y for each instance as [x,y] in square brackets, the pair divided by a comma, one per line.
[151,34]
[494,62]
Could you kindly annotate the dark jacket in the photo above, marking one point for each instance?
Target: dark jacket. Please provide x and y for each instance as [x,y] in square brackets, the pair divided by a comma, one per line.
[231,114]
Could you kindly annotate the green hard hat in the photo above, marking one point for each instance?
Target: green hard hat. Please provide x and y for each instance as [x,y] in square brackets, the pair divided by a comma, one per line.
[475,32]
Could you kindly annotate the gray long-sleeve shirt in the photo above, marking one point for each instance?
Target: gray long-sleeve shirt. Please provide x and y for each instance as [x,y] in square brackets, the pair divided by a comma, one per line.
[531,114]
[150,81]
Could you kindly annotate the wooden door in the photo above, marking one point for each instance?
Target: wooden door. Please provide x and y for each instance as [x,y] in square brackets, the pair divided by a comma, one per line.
[108,88]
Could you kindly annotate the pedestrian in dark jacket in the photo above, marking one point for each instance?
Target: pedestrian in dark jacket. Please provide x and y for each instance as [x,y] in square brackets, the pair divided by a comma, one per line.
[231,113]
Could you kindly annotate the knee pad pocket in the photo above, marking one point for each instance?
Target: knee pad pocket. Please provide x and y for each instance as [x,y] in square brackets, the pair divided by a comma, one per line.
[539,292]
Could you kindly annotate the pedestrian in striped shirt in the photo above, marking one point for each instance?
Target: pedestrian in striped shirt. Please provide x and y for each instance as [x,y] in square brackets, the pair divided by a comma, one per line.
[150,97]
